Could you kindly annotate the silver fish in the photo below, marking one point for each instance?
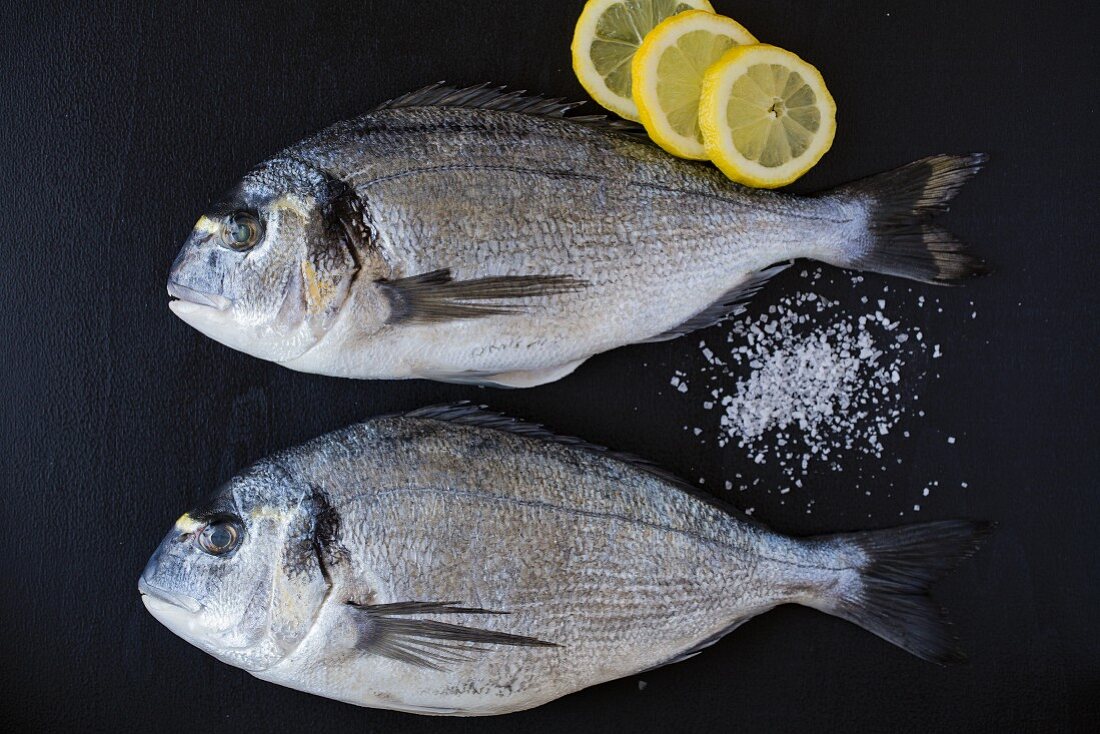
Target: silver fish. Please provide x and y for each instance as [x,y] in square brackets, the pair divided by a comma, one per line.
[456,562]
[480,236]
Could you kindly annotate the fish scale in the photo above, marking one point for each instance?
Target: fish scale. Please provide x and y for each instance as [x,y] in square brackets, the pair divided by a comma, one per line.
[453,561]
[554,238]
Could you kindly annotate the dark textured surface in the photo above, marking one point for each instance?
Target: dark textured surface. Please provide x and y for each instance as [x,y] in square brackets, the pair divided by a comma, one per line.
[121,123]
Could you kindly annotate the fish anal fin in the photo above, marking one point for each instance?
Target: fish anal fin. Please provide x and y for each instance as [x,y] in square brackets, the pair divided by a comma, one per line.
[703,644]
[436,296]
[394,631]
[729,304]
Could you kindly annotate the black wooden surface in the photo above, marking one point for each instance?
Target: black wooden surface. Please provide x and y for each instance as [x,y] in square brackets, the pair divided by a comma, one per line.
[121,122]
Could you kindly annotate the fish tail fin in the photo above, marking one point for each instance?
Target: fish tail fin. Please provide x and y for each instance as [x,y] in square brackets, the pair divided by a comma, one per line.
[899,238]
[885,591]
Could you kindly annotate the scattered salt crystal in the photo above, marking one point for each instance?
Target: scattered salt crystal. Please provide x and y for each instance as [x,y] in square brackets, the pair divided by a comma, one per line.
[812,384]
[916,508]
[950,439]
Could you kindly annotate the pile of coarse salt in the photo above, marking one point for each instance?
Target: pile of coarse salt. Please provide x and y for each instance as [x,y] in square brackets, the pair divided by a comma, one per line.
[807,382]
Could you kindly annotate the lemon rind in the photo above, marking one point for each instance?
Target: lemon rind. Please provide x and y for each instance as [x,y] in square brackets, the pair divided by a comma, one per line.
[717,87]
[585,71]
[644,67]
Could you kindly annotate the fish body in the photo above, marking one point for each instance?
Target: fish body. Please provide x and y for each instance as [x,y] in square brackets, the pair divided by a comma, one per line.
[480,236]
[457,562]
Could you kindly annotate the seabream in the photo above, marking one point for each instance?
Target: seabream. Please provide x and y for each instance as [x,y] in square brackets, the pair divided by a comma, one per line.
[453,561]
[475,235]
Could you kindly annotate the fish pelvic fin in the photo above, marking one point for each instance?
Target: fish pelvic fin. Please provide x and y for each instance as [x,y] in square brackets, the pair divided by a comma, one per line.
[900,238]
[885,589]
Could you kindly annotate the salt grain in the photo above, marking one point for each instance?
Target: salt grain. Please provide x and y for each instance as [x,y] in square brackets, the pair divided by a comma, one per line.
[806,383]
[809,375]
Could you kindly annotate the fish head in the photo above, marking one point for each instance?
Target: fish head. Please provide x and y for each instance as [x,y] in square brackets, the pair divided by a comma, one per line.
[267,269]
[238,576]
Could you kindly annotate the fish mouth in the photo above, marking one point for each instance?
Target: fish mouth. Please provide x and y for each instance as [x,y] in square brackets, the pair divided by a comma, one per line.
[154,597]
[190,298]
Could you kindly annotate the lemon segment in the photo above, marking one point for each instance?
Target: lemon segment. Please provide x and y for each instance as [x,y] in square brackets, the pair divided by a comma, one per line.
[667,74]
[607,35]
[766,115]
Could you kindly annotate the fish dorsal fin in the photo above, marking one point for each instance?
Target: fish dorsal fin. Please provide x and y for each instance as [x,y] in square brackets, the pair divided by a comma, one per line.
[487,97]
[467,414]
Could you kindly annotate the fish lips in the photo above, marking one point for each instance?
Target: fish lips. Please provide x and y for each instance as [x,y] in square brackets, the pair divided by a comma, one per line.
[178,612]
[151,594]
[189,299]
[157,599]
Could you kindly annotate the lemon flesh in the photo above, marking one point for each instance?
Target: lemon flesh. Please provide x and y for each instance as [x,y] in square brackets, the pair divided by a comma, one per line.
[668,72]
[607,35]
[766,116]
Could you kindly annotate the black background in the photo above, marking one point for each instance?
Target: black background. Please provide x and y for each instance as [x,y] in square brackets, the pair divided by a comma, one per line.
[120,123]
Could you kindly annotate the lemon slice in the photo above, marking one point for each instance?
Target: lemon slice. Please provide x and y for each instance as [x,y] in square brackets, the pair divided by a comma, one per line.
[605,39]
[766,116]
[668,75]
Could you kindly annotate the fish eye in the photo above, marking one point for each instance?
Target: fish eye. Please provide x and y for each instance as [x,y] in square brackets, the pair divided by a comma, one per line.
[241,231]
[220,537]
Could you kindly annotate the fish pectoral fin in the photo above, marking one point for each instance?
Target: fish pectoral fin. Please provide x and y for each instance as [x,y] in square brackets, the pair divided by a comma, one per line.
[436,296]
[388,630]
